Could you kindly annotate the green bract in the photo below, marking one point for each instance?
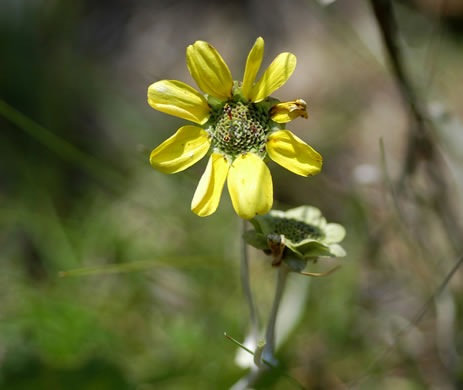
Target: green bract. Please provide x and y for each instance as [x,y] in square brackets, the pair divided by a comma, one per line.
[300,234]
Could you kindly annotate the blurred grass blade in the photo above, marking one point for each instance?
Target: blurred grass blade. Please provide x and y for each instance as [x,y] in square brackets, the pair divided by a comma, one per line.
[64,149]
[238,343]
[134,266]
[321,274]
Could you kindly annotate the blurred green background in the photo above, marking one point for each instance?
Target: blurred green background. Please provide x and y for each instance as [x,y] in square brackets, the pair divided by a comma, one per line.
[77,190]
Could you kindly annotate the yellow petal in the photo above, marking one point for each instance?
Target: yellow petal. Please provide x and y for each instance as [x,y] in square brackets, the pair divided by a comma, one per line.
[209,70]
[292,153]
[279,71]
[209,190]
[179,99]
[288,111]
[252,67]
[187,146]
[250,186]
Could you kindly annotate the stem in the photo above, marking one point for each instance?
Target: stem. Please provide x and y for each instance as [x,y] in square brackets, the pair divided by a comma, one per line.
[246,285]
[268,352]
[267,356]
[269,349]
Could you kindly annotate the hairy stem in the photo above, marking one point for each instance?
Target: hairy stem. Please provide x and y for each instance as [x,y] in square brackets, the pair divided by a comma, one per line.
[268,360]
[269,349]
[246,285]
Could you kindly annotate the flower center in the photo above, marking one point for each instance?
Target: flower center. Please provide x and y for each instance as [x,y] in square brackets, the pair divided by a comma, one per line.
[296,230]
[241,128]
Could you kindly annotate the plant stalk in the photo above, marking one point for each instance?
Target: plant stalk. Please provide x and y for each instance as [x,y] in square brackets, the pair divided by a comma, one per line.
[246,285]
[269,349]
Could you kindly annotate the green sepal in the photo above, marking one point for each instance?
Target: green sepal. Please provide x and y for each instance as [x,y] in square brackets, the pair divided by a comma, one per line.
[237,93]
[264,222]
[255,239]
[316,249]
[334,232]
[267,104]
[295,263]
[215,103]
[256,224]
[337,250]
[308,214]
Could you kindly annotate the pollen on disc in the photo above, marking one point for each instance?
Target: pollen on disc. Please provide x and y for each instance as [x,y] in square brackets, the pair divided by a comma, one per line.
[239,129]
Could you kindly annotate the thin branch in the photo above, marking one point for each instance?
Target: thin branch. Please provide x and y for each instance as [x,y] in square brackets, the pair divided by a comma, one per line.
[421,144]
[415,320]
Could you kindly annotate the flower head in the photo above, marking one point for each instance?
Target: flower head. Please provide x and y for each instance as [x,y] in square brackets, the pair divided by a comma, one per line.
[238,124]
[296,236]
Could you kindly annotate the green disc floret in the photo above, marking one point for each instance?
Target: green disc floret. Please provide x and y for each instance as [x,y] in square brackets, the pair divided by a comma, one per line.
[296,230]
[240,128]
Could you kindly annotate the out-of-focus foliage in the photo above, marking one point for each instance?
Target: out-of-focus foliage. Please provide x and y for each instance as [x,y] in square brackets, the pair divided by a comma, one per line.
[77,190]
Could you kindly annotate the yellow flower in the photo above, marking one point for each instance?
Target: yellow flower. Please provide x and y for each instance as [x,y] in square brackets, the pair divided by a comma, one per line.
[240,127]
